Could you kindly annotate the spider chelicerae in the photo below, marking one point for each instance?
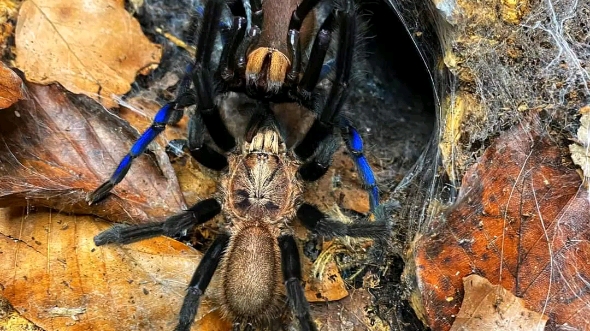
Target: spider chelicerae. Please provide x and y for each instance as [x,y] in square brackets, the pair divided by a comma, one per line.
[256,258]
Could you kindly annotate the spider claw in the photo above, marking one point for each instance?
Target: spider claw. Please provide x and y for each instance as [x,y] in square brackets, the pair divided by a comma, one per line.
[100,193]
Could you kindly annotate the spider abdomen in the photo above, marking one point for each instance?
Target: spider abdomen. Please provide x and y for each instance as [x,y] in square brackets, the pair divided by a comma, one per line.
[251,286]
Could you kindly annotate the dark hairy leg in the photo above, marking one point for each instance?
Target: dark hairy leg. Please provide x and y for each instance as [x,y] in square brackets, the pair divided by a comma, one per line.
[199,213]
[327,118]
[204,77]
[200,281]
[318,145]
[316,221]
[299,14]
[291,267]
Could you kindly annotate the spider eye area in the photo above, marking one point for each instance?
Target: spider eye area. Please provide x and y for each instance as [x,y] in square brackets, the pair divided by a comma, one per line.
[267,68]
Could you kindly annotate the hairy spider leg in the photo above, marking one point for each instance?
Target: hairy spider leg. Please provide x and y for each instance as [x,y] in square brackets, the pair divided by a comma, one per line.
[172,111]
[320,47]
[291,267]
[197,147]
[354,144]
[204,78]
[200,282]
[319,145]
[199,213]
[227,61]
[323,125]
[293,42]
[158,125]
[316,221]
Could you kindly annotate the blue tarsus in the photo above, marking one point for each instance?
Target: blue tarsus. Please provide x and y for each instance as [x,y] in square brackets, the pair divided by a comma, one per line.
[158,125]
[354,143]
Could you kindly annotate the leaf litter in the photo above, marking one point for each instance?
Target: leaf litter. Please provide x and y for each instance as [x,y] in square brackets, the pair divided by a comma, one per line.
[57,147]
[83,45]
[488,307]
[53,274]
[520,221]
[47,162]
[11,87]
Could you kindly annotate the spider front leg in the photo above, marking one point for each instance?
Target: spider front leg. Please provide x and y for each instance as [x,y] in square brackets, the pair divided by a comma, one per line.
[324,124]
[204,78]
[293,42]
[318,145]
[171,112]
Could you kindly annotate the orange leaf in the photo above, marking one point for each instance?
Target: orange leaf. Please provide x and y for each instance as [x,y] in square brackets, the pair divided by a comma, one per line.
[91,47]
[521,221]
[11,87]
[57,147]
[54,275]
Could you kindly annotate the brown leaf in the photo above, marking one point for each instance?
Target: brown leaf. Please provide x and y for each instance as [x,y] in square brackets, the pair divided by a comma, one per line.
[92,47]
[328,287]
[11,87]
[349,314]
[54,275]
[521,221]
[57,147]
[488,307]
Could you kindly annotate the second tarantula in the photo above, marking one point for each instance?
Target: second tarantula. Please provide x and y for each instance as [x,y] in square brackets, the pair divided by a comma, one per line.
[255,259]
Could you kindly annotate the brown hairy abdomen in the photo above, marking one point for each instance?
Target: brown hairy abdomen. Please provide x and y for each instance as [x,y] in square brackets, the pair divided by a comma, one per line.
[251,284]
[277,14]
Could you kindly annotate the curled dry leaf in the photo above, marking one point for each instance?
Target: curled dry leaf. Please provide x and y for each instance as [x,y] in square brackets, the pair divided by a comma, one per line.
[488,307]
[53,274]
[11,87]
[57,147]
[90,47]
[521,220]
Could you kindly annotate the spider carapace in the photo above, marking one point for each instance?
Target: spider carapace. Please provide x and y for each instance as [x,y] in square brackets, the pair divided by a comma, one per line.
[255,256]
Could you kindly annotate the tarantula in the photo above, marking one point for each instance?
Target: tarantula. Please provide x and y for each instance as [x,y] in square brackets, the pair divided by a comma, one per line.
[261,188]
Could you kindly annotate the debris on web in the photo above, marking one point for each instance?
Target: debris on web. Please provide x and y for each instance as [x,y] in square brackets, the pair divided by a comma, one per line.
[511,79]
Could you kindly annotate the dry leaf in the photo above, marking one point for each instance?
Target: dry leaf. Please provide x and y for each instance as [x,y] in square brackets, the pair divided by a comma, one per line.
[90,47]
[579,151]
[349,314]
[11,87]
[57,147]
[521,221]
[488,307]
[54,275]
[328,287]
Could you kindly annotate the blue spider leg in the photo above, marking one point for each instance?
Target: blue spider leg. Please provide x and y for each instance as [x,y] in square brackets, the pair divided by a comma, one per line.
[158,125]
[354,144]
